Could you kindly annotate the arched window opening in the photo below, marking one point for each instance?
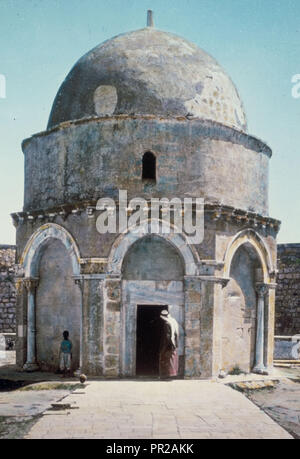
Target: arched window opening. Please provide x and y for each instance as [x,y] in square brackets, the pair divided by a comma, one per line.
[149,166]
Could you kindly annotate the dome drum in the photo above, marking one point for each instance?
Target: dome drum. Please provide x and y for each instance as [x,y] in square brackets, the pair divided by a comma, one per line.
[88,160]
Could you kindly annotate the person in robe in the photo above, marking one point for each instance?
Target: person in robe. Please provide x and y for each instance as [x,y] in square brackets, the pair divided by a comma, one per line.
[168,355]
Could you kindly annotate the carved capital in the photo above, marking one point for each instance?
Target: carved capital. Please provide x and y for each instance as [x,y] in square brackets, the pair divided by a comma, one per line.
[31,283]
[79,281]
[90,211]
[113,289]
[215,279]
[261,289]
[93,265]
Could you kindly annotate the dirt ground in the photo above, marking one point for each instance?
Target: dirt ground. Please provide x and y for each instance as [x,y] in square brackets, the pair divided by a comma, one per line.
[282,404]
[23,404]
[16,427]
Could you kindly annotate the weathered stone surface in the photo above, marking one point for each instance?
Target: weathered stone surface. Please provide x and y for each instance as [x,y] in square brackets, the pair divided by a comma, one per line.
[121,76]
[163,258]
[7,289]
[288,290]
[192,289]
[140,292]
[58,307]
[111,361]
[93,325]
[239,314]
[113,306]
[194,158]
[287,348]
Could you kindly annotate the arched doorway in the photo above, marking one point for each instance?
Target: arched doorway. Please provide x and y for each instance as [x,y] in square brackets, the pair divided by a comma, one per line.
[240,311]
[51,263]
[58,306]
[249,262]
[152,280]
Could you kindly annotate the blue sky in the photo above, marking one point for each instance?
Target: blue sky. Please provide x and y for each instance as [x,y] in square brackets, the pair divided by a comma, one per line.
[256,41]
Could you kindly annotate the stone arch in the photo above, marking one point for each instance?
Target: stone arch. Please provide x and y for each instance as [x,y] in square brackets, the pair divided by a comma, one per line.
[149,292]
[39,241]
[246,299]
[240,310]
[51,260]
[249,236]
[178,240]
[152,258]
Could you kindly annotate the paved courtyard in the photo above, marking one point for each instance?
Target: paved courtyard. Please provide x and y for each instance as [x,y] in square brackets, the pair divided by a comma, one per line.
[157,410]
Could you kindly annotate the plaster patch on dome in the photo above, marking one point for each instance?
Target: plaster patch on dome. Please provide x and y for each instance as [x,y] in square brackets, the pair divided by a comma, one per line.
[105,100]
[148,72]
[218,100]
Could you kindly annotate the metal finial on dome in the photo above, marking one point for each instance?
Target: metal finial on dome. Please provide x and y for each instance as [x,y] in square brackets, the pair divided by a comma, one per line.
[150,22]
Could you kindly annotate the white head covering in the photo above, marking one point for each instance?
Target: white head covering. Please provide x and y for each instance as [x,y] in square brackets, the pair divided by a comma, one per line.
[173,325]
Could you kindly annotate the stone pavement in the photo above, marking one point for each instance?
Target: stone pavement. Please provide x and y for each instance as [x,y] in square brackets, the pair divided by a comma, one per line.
[156,410]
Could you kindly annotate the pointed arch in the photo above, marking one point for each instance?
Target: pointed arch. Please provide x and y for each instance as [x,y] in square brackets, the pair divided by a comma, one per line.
[251,237]
[39,240]
[125,241]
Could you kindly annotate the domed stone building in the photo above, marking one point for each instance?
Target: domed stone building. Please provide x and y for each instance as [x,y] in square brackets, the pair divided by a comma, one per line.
[152,114]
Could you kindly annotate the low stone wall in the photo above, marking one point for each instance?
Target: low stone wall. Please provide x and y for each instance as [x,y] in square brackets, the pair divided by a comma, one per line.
[7,289]
[287,322]
[287,348]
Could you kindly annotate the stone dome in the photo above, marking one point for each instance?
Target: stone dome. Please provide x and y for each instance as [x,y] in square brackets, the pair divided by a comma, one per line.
[148,72]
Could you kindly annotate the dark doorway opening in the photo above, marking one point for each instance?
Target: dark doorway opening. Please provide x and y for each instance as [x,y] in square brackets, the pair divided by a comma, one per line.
[149,326]
[149,166]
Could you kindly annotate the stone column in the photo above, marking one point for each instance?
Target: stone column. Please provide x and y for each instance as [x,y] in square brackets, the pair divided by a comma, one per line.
[112,326]
[192,291]
[270,324]
[259,366]
[21,319]
[92,324]
[31,285]
[211,324]
[79,281]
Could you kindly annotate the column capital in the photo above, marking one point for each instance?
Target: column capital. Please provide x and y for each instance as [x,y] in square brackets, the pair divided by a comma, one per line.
[31,283]
[113,277]
[207,278]
[79,281]
[261,289]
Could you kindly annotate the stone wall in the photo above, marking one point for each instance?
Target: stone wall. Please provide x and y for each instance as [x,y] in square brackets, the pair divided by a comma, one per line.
[239,313]
[58,307]
[90,160]
[7,289]
[288,290]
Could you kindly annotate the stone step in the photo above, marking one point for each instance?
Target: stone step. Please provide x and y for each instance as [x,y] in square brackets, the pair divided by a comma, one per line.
[244,386]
